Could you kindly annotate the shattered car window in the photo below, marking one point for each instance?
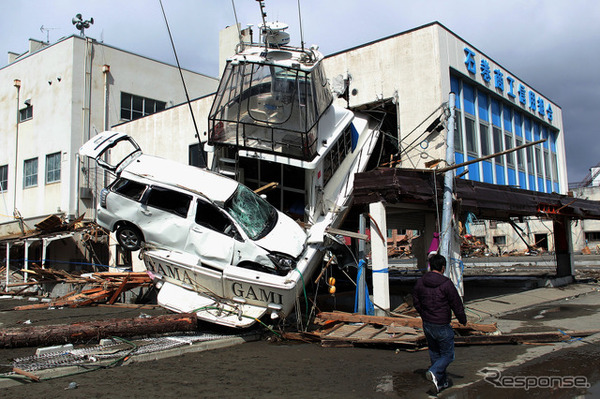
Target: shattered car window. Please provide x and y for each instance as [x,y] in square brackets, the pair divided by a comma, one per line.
[255,215]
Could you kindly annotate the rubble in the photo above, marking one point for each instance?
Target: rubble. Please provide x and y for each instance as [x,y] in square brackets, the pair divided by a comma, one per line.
[102,287]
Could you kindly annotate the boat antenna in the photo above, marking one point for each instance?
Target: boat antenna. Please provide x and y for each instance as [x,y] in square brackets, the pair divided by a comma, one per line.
[187,96]
[301,32]
[263,13]
[237,24]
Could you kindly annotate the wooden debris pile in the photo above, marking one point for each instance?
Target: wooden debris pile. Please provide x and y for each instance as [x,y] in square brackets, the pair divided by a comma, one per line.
[404,329]
[399,245]
[470,246]
[95,288]
[340,329]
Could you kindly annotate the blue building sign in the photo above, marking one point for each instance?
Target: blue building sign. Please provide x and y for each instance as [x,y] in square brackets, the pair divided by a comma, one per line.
[527,98]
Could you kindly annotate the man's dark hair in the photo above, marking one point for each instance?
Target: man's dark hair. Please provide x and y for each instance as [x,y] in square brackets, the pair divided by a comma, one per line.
[437,262]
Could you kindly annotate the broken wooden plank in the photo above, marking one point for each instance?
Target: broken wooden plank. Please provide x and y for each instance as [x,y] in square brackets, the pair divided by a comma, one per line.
[414,322]
[520,338]
[114,297]
[86,331]
[27,374]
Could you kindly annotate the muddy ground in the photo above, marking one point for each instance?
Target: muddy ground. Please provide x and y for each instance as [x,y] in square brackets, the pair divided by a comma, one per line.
[275,369]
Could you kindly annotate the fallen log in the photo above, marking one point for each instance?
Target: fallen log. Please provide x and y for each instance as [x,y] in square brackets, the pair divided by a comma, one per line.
[95,330]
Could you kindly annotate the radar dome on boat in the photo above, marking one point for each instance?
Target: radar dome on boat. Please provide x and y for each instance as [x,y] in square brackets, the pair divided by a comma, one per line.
[273,34]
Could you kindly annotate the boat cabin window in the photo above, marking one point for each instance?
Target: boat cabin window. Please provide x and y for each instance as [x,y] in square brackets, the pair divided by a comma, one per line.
[270,108]
[337,152]
[289,195]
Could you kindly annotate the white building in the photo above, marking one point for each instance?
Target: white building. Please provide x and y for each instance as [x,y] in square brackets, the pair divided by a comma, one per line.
[587,232]
[53,98]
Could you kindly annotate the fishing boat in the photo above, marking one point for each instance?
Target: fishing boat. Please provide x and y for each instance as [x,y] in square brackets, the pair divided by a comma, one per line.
[273,122]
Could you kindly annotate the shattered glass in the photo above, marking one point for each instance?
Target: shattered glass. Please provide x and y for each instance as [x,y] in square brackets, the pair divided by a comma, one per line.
[255,215]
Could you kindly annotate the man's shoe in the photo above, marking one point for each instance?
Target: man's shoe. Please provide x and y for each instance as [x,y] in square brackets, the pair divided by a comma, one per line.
[431,377]
[445,385]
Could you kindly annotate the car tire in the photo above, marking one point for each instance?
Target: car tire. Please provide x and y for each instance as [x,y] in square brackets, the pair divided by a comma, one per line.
[129,237]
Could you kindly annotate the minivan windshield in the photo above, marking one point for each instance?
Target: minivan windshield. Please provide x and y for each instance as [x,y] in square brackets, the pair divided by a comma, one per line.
[254,215]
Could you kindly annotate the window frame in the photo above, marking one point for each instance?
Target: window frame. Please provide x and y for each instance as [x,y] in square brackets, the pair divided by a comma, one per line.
[26,113]
[28,174]
[4,178]
[56,169]
[471,136]
[138,106]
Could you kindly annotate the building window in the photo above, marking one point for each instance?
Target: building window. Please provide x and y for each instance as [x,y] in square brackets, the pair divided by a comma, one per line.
[194,156]
[520,161]
[592,235]
[53,167]
[30,172]
[458,143]
[485,140]
[510,157]
[471,137]
[3,178]
[554,167]
[547,166]
[499,240]
[538,160]
[530,160]
[134,107]
[497,133]
[26,113]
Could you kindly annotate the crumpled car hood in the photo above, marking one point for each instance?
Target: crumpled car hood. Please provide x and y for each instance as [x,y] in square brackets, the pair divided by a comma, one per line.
[286,237]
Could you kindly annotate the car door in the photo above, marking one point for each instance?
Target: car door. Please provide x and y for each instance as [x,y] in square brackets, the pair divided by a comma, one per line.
[212,235]
[163,217]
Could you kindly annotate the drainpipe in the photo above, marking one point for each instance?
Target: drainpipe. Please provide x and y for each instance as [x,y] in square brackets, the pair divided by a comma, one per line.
[7,264]
[447,229]
[85,116]
[105,126]
[17,84]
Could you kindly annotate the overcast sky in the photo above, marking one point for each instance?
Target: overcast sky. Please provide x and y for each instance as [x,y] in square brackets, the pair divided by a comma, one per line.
[552,45]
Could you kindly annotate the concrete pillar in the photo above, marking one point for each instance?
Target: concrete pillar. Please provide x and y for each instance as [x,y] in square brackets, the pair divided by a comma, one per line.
[563,247]
[361,283]
[44,251]
[381,283]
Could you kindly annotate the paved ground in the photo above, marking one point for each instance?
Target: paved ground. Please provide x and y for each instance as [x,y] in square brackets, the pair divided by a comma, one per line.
[298,370]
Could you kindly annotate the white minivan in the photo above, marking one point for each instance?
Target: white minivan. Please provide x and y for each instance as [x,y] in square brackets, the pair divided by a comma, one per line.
[158,203]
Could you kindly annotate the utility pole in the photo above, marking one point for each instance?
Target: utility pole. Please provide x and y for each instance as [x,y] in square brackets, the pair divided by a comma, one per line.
[452,270]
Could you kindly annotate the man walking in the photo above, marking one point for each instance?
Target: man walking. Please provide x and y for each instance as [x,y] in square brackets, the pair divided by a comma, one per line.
[434,297]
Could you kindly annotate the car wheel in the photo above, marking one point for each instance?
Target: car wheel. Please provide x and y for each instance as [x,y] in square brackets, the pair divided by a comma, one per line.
[129,237]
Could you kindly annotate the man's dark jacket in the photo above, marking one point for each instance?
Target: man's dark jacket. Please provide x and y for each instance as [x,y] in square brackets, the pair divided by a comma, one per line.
[434,296]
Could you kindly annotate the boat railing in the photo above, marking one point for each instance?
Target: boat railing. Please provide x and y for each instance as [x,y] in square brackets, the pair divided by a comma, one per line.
[264,138]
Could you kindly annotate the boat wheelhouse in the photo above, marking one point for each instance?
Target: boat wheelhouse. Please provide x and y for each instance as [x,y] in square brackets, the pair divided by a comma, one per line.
[274,121]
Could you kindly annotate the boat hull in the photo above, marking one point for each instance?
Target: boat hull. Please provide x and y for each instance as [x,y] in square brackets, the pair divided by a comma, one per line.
[233,297]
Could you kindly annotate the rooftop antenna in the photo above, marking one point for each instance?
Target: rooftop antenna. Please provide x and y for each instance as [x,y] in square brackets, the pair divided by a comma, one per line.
[47,30]
[82,25]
